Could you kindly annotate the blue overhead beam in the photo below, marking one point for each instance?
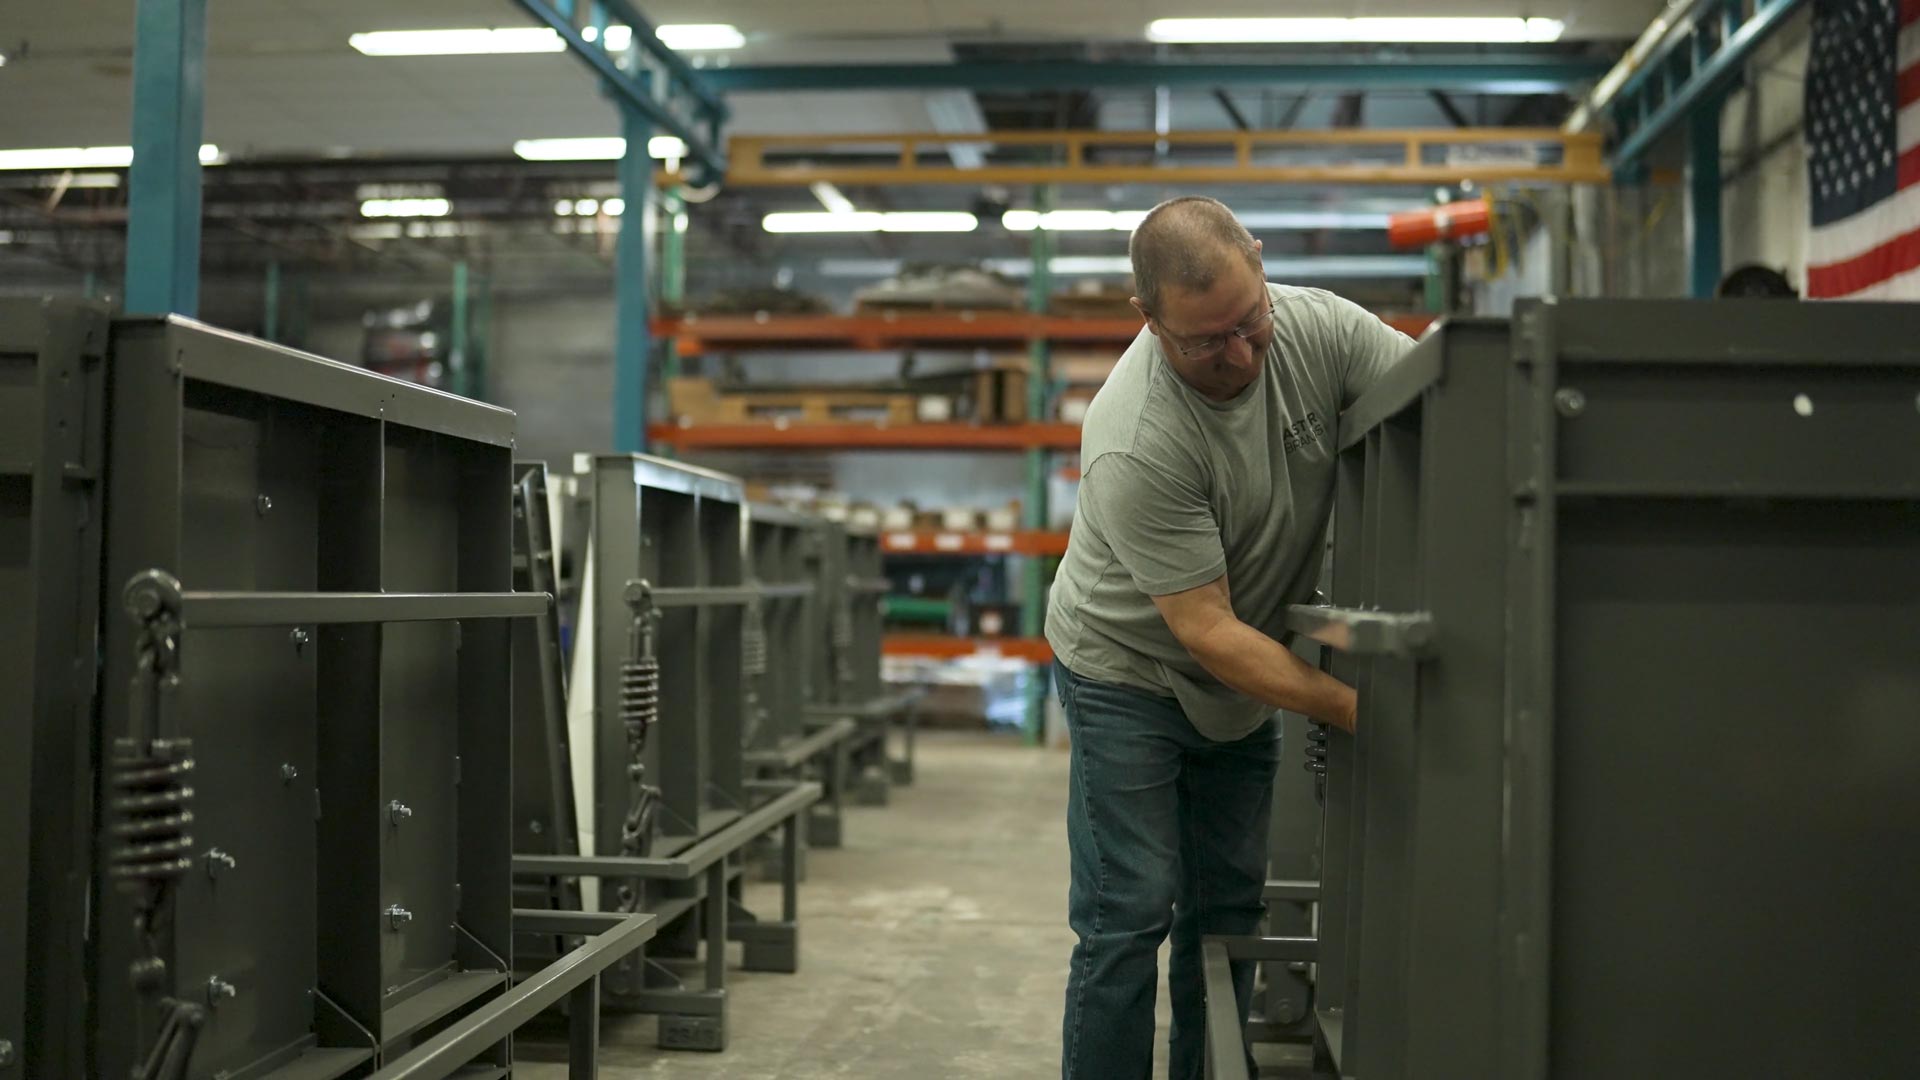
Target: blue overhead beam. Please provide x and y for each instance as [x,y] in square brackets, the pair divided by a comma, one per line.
[1692,69]
[163,185]
[664,89]
[1491,75]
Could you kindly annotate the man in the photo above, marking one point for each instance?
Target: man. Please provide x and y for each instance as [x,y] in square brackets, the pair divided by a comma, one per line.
[1207,462]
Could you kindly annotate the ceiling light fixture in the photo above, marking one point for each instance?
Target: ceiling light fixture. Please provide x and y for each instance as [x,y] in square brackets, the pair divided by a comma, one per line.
[700,37]
[88,157]
[405,208]
[597,148]
[870,221]
[478,41]
[1365,30]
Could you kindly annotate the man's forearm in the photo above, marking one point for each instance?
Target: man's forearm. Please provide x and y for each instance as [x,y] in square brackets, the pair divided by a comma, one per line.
[1265,670]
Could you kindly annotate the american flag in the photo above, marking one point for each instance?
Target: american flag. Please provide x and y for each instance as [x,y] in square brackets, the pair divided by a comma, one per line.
[1863,157]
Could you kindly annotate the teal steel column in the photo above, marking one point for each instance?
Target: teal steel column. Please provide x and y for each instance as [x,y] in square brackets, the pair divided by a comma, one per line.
[270,318]
[479,338]
[631,340]
[457,343]
[1703,197]
[1033,597]
[163,186]
[673,266]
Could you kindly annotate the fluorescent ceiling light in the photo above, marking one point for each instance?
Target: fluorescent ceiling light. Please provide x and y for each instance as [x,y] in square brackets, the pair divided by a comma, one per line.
[1072,220]
[870,221]
[466,42]
[1312,219]
[618,36]
[700,37]
[1408,29]
[597,148]
[607,148]
[830,197]
[405,208]
[87,157]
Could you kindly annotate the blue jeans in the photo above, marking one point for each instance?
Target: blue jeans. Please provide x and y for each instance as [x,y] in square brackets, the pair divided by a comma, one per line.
[1167,831]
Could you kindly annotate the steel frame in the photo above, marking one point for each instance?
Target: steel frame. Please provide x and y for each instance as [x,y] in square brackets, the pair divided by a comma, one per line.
[784,625]
[1597,507]
[664,621]
[52,455]
[344,879]
[1485,74]
[848,685]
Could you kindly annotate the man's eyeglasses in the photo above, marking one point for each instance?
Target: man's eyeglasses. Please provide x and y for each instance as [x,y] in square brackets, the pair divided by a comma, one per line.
[1246,331]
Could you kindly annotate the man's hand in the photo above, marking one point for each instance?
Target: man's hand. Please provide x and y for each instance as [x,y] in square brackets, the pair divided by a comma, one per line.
[1202,619]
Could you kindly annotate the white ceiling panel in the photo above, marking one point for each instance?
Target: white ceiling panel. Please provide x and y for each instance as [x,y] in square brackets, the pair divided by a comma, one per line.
[281,77]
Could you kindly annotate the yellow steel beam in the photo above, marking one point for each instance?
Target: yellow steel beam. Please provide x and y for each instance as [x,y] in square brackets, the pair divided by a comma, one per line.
[919,158]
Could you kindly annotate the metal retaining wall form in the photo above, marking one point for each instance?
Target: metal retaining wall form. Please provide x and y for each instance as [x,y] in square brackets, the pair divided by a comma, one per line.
[659,764]
[1631,595]
[284,798]
[52,452]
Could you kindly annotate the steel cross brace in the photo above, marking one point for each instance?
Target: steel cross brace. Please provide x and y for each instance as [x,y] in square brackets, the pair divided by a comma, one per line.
[1689,70]
[700,115]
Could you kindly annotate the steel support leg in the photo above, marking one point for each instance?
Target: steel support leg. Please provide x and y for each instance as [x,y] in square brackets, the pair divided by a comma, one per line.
[583,1031]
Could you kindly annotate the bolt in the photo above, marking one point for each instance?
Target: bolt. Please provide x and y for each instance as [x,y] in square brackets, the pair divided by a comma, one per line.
[1569,402]
[398,917]
[262,504]
[535,827]
[399,811]
[289,773]
[300,638]
[219,989]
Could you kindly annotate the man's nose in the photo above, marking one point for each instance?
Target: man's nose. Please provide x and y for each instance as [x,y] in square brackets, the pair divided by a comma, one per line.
[1240,351]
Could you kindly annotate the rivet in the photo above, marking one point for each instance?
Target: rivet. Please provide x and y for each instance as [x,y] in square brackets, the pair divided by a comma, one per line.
[1569,402]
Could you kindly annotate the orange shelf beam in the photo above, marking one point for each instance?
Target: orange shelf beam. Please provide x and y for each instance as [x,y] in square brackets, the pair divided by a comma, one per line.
[935,542]
[697,335]
[868,436]
[948,647]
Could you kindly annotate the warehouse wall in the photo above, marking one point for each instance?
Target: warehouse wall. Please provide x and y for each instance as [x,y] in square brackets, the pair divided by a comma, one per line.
[1764,160]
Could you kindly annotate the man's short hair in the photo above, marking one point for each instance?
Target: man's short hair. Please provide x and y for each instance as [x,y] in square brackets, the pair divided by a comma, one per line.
[1186,242]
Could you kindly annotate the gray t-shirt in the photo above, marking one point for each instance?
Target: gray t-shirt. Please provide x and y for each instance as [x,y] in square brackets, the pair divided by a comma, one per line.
[1177,489]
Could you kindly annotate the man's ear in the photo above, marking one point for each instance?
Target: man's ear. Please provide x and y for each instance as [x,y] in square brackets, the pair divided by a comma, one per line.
[1259,245]
[1142,309]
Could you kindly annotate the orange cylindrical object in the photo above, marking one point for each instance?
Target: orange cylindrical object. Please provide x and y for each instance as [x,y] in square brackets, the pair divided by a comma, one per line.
[1418,228]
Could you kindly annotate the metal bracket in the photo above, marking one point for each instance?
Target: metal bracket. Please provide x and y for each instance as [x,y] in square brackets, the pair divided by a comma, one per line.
[1365,633]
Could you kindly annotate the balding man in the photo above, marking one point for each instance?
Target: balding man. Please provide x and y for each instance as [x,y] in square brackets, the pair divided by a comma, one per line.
[1208,465]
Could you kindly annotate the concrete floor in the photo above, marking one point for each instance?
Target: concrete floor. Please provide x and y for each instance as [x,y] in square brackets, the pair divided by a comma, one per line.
[934,945]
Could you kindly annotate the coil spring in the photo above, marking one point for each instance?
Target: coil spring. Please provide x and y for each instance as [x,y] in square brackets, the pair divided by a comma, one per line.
[753,643]
[151,804]
[639,695]
[1317,759]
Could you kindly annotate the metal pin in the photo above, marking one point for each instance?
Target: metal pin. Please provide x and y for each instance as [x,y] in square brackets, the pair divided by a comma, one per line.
[262,504]
[219,989]
[399,811]
[398,917]
[216,859]
[289,773]
[300,638]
